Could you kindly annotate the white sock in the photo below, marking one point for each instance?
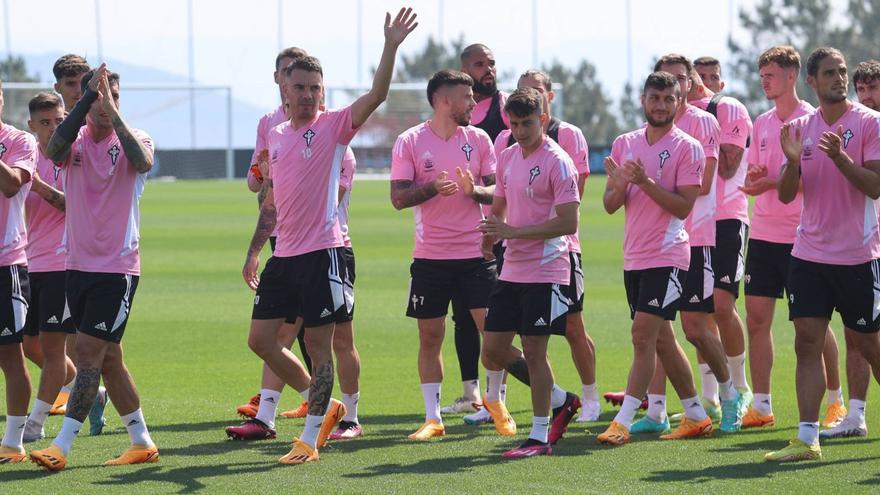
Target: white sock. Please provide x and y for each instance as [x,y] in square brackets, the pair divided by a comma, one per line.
[431,396]
[311,430]
[693,409]
[628,411]
[69,429]
[268,406]
[137,429]
[471,389]
[808,433]
[504,393]
[14,432]
[726,390]
[67,388]
[657,407]
[40,412]
[557,397]
[708,383]
[763,404]
[350,401]
[737,367]
[834,396]
[540,428]
[494,384]
[590,392]
[857,410]
[305,394]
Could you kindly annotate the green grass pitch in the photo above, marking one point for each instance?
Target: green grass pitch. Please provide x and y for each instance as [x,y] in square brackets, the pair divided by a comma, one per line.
[186,347]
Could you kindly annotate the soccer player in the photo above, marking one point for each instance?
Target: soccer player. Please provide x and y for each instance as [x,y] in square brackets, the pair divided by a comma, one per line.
[105,164]
[18,153]
[696,301]
[709,69]
[731,228]
[44,209]
[69,71]
[534,209]
[656,173]
[571,139]
[833,154]
[447,262]
[866,79]
[308,265]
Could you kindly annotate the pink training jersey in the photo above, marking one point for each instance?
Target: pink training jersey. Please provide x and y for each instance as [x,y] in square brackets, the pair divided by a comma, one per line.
[346,182]
[18,149]
[703,127]
[573,142]
[838,222]
[533,187]
[45,223]
[267,123]
[482,109]
[102,193]
[653,237]
[732,116]
[773,220]
[446,226]
[306,168]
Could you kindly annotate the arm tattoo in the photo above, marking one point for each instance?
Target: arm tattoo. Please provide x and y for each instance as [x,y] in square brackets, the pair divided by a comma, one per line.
[58,148]
[265,227]
[483,195]
[82,397]
[56,199]
[520,370]
[261,194]
[405,194]
[321,388]
[137,153]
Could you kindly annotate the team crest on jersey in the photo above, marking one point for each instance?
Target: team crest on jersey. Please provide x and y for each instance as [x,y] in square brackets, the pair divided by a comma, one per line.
[807,150]
[847,137]
[664,155]
[2,150]
[114,154]
[467,148]
[534,173]
[309,134]
[764,140]
[56,170]
[427,160]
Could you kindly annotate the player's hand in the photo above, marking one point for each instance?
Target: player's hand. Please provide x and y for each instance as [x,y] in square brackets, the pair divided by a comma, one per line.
[791,143]
[635,170]
[263,162]
[444,186]
[494,227]
[105,97]
[396,31]
[830,144]
[616,175]
[759,186]
[465,181]
[249,272]
[95,81]
[487,242]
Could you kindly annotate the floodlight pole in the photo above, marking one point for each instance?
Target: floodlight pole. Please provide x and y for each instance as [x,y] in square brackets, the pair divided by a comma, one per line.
[98,31]
[360,41]
[192,74]
[6,28]
[535,33]
[280,16]
[629,46]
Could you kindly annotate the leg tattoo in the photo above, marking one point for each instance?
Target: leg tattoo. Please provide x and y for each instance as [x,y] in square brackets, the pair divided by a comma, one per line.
[321,388]
[82,397]
[520,370]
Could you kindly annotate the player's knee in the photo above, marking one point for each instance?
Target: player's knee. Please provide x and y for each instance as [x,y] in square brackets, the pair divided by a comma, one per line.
[260,346]
[808,344]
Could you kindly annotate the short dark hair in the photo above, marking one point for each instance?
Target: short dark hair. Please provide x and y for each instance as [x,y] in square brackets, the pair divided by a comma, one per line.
[471,49]
[70,65]
[707,61]
[818,55]
[524,102]
[444,78]
[44,101]
[674,58]
[307,63]
[661,81]
[545,79]
[784,56]
[289,52]
[867,72]
[112,78]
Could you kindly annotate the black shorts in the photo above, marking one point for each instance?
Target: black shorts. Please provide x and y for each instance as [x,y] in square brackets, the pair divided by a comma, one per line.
[272,241]
[309,284]
[14,296]
[46,311]
[728,261]
[767,268]
[434,282]
[348,286]
[527,309]
[655,291]
[99,304]
[498,250]
[575,291]
[700,282]
[817,289]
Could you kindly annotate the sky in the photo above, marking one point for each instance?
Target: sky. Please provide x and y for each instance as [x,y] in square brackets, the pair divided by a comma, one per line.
[235,42]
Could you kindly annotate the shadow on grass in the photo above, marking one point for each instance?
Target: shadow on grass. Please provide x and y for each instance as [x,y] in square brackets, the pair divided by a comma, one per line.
[769,444]
[186,479]
[193,427]
[748,470]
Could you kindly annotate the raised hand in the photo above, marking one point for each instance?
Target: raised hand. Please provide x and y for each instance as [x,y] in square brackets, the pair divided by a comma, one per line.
[617,177]
[635,170]
[757,181]
[830,143]
[399,29]
[444,186]
[107,102]
[791,144]
[95,81]
[465,180]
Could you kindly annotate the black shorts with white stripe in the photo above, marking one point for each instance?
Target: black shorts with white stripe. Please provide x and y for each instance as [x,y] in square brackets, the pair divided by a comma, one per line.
[700,283]
[348,286]
[310,284]
[655,291]
[576,284]
[99,304]
[527,309]
[728,261]
[815,290]
[14,294]
[47,303]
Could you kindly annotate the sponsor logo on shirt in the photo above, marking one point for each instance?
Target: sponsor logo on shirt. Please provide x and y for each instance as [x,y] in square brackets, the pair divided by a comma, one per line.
[847,137]
[807,149]
[467,148]
[735,131]
[763,140]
